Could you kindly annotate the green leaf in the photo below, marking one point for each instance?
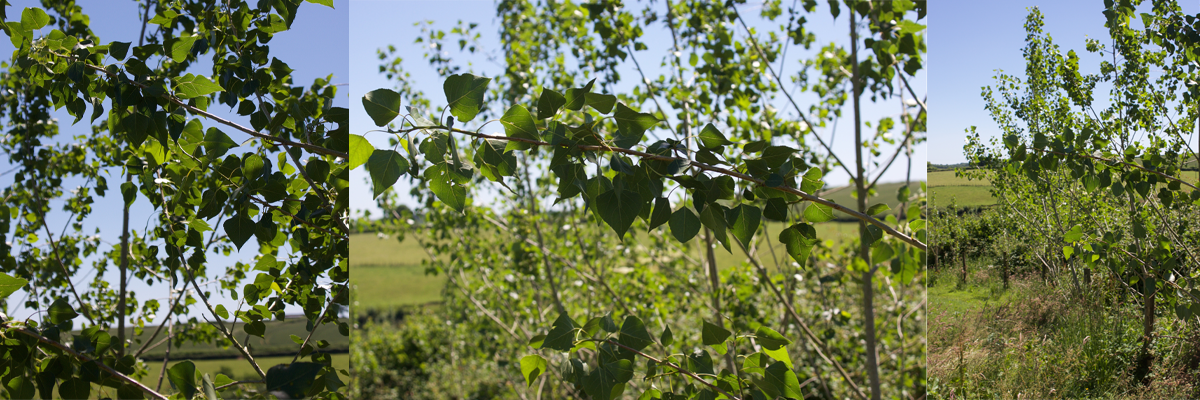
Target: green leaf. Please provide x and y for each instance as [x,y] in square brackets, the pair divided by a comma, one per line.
[326,3]
[549,103]
[634,333]
[713,217]
[75,388]
[1074,234]
[715,336]
[799,240]
[878,208]
[667,337]
[129,192]
[776,209]
[577,97]
[562,334]
[210,390]
[781,377]
[661,213]
[239,229]
[743,222]
[532,366]
[60,311]
[633,124]
[181,49]
[382,105]
[20,387]
[1068,251]
[191,86]
[183,377]
[464,95]
[684,224]
[118,50]
[360,150]
[293,379]
[518,123]
[33,19]
[812,181]
[619,210]
[216,143]
[256,328]
[442,181]
[493,161]
[9,284]
[817,212]
[385,166]
[770,339]
[601,102]
[711,138]
[881,251]
[536,341]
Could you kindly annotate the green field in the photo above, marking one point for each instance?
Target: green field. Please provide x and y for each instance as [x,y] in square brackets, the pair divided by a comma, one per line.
[399,279]
[945,186]
[278,341]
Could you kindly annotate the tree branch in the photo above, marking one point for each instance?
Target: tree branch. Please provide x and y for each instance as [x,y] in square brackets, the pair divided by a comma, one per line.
[85,358]
[861,216]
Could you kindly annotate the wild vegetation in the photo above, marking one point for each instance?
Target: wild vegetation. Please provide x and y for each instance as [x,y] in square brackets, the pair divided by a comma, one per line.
[593,259]
[1081,281]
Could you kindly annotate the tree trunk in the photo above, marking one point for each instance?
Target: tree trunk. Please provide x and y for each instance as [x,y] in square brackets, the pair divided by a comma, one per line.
[1146,359]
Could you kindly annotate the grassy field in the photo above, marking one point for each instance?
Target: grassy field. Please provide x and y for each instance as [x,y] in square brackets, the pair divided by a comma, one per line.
[402,281]
[944,186]
[278,341]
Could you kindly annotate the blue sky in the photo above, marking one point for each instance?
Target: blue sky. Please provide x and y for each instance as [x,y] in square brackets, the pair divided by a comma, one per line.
[314,47]
[973,39]
[379,23]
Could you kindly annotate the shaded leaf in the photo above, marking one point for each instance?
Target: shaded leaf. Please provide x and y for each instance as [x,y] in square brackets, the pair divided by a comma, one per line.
[382,105]
[684,224]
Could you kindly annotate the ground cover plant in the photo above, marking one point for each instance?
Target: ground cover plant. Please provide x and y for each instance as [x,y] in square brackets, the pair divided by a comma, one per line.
[593,273]
[156,144]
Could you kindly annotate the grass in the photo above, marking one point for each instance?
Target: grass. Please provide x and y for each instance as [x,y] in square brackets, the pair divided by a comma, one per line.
[278,341]
[388,272]
[1039,340]
[944,186]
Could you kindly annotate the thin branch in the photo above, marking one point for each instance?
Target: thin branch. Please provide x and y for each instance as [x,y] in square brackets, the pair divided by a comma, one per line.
[314,330]
[237,383]
[676,367]
[234,125]
[86,358]
[778,80]
[66,272]
[910,90]
[883,226]
[816,343]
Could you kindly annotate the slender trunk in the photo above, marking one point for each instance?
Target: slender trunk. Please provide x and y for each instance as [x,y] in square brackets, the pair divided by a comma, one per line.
[715,281]
[1146,359]
[868,285]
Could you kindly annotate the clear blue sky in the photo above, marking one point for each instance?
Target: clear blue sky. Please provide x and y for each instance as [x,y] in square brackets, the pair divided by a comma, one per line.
[379,23]
[314,47]
[973,39]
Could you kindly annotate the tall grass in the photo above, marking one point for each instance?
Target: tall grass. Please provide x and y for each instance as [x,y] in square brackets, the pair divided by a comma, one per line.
[1037,340]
